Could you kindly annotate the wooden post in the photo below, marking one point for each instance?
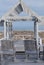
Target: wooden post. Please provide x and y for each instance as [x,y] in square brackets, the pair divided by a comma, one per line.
[5,31]
[36,36]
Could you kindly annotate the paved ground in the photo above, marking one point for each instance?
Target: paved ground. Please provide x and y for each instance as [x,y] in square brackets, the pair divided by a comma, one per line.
[26,63]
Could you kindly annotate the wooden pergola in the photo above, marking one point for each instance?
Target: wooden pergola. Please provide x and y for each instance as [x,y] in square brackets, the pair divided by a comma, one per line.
[13,16]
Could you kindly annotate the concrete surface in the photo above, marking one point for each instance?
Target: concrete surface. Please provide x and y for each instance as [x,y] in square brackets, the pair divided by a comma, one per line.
[22,63]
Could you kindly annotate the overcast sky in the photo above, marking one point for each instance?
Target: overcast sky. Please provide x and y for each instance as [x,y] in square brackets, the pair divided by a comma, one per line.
[36,5]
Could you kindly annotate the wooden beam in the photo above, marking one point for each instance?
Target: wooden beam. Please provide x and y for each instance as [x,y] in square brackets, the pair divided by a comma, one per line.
[19,18]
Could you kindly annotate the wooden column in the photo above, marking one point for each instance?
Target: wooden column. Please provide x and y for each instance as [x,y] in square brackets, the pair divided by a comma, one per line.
[5,30]
[36,36]
[10,29]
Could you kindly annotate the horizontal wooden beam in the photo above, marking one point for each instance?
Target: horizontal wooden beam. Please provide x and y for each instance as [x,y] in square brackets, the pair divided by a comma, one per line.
[18,18]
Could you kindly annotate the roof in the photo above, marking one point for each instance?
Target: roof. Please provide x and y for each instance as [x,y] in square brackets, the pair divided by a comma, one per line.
[13,14]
